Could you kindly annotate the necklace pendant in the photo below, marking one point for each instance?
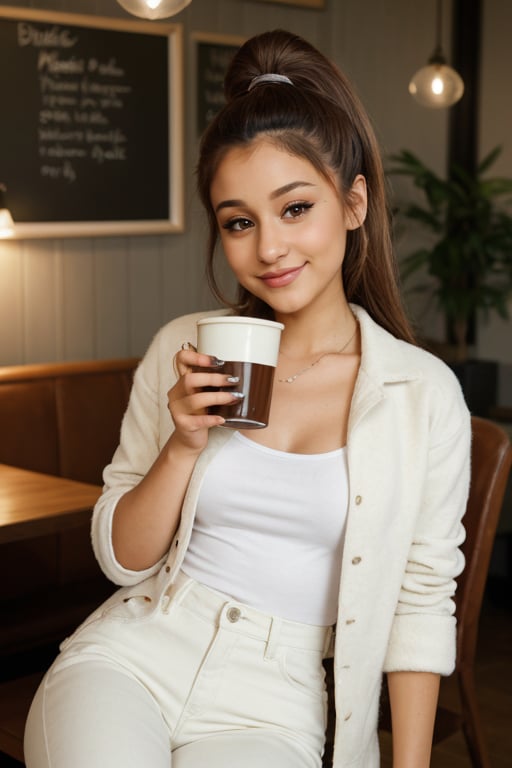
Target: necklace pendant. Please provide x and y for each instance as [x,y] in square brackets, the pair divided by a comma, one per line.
[290,379]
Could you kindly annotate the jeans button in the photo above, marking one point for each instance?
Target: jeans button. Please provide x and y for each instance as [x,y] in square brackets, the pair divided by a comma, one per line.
[233,614]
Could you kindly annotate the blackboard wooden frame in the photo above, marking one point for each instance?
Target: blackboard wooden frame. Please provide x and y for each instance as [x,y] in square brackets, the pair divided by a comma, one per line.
[221,43]
[173,219]
[318,4]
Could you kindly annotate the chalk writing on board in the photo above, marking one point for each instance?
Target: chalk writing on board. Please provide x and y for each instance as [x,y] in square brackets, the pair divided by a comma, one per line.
[91,124]
[213,59]
[79,100]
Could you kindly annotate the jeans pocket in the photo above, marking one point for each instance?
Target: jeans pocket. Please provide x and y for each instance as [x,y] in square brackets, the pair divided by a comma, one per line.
[130,608]
[303,670]
[125,605]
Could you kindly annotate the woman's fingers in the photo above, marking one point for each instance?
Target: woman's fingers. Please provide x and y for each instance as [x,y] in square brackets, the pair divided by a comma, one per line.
[190,413]
[188,360]
[192,401]
[199,401]
[197,380]
[200,386]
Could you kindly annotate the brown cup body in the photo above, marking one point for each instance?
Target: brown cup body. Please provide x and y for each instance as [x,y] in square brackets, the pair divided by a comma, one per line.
[252,411]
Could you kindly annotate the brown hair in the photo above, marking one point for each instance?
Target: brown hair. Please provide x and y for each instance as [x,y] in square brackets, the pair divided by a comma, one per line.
[319,118]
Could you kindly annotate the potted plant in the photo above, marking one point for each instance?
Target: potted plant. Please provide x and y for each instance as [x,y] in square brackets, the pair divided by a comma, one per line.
[469,216]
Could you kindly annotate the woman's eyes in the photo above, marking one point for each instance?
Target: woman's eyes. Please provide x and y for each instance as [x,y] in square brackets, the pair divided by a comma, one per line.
[237,225]
[292,211]
[295,210]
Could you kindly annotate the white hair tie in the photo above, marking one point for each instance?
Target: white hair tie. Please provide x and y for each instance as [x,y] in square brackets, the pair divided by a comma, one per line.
[268,78]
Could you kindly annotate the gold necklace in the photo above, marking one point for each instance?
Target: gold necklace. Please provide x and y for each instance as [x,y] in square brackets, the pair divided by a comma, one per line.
[291,379]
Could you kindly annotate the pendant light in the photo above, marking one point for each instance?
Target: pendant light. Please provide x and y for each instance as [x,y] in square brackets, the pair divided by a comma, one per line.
[6,222]
[153,9]
[437,85]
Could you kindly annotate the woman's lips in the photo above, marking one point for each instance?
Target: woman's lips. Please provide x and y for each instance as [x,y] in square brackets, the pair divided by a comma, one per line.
[282,277]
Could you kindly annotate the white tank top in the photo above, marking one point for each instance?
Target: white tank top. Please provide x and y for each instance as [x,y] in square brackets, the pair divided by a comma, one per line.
[269,529]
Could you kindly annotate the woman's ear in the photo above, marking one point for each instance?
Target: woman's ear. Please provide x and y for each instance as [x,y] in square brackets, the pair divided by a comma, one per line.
[357,203]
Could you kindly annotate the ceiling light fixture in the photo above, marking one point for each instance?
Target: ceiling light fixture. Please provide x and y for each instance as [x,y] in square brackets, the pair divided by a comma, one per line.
[437,85]
[153,9]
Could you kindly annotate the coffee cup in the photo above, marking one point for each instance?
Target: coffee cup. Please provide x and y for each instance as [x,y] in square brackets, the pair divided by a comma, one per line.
[248,348]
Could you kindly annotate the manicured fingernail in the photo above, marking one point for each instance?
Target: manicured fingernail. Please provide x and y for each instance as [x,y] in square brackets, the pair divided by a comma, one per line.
[215,361]
[233,379]
[237,395]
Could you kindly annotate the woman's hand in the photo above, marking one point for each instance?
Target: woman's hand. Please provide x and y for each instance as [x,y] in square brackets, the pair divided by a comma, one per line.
[200,386]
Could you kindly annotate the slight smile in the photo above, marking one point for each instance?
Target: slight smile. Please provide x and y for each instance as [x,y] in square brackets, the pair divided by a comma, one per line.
[281,277]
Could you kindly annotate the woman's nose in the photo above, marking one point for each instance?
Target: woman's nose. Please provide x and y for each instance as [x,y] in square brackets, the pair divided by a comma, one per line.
[271,244]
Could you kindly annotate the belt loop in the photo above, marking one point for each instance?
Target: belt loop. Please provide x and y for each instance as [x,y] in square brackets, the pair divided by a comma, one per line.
[273,638]
[176,592]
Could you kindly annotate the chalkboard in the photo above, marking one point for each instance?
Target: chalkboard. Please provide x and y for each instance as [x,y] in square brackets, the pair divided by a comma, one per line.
[91,126]
[213,54]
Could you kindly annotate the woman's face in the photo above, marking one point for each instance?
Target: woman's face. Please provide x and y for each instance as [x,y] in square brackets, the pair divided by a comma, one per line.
[283,226]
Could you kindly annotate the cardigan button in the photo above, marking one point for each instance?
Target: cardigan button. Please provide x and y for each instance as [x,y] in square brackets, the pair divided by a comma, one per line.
[356,560]
[347,716]
[358,499]
[167,568]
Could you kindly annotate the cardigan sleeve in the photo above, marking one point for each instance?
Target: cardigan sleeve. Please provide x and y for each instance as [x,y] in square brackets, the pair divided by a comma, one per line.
[141,440]
[146,427]
[423,632]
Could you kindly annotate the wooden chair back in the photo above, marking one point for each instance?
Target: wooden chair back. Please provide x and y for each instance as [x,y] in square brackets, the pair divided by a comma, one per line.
[491,455]
[491,459]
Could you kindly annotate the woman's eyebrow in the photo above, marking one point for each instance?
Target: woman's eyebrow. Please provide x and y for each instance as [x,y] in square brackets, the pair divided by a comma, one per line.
[289,188]
[229,204]
[273,195]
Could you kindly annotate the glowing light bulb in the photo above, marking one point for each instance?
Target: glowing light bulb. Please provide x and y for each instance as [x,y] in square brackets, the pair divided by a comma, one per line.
[153,9]
[437,86]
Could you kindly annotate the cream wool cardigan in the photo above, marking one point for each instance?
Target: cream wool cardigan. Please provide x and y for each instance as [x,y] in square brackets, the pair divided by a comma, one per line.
[408,457]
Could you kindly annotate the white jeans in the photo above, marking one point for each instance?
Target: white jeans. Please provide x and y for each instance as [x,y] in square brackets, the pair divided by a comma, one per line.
[201,681]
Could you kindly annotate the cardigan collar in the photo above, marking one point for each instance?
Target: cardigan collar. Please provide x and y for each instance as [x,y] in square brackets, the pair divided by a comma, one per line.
[384,360]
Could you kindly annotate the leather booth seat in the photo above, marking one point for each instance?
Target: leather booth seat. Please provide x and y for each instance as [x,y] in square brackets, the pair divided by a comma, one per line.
[62,419]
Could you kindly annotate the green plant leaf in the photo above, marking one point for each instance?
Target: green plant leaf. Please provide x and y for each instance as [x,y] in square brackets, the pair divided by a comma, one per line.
[470,218]
[489,160]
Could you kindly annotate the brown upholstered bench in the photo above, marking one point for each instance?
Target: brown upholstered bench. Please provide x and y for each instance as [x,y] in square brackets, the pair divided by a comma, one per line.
[62,419]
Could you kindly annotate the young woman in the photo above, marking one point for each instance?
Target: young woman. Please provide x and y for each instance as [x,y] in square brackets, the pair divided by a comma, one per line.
[239,551]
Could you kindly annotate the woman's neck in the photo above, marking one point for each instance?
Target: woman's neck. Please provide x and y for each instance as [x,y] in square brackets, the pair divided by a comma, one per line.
[305,336]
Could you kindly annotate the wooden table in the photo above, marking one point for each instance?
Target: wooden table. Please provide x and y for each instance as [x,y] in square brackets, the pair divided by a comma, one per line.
[33,504]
